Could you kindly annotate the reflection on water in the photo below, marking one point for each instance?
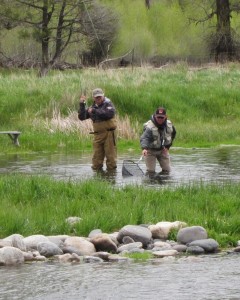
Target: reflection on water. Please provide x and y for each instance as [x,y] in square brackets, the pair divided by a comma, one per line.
[210,277]
[188,165]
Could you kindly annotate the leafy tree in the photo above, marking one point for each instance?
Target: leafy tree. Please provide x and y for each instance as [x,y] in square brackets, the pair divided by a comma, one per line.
[58,23]
[223,43]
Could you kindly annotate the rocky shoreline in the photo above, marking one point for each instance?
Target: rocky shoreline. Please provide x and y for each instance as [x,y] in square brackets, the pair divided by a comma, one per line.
[113,247]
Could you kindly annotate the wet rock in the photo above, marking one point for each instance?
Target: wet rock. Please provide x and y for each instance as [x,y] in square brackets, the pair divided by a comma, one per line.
[82,245]
[209,245]
[103,242]
[17,241]
[195,250]
[69,258]
[117,258]
[11,256]
[49,249]
[65,258]
[28,256]
[40,258]
[71,250]
[137,233]
[32,241]
[164,253]
[163,245]
[128,247]
[180,248]
[190,234]
[237,249]
[103,255]
[92,259]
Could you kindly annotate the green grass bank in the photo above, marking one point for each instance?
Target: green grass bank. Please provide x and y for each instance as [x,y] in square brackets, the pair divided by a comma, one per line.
[40,205]
[203,103]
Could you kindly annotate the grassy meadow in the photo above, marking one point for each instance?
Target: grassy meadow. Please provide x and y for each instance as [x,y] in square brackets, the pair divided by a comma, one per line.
[203,103]
[40,205]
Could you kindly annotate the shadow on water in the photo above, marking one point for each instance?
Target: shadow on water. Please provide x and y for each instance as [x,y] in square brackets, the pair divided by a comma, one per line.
[188,165]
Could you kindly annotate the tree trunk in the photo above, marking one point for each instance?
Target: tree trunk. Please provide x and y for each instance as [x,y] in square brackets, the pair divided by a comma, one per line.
[224,49]
[45,40]
[59,40]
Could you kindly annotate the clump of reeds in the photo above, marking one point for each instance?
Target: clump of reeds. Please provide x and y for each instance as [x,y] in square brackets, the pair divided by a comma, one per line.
[71,124]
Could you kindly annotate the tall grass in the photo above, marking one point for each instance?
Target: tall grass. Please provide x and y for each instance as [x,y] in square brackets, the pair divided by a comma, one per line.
[40,205]
[202,103]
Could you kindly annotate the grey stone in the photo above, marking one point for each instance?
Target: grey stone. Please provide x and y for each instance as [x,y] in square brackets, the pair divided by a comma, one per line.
[49,249]
[32,241]
[127,240]
[237,249]
[81,244]
[103,242]
[209,245]
[180,248]
[17,241]
[137,233]
[128,247]
[71,250]
[92,259]
[188,234]
[11,256]
[94,233]
[195,250]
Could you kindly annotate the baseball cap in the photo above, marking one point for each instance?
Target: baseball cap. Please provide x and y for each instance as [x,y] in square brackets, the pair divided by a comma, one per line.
[161,111]
[97,92]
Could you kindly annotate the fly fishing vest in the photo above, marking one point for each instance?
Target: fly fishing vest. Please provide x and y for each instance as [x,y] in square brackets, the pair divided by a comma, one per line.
[161,137]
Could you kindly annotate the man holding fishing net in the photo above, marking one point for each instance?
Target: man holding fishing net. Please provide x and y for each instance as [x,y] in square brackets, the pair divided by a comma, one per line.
[156,140]
[102,113]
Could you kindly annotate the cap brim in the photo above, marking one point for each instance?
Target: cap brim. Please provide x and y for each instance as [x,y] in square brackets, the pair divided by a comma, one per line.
[97,95]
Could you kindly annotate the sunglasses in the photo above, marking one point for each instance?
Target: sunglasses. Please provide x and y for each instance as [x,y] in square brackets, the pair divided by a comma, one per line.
[160,117]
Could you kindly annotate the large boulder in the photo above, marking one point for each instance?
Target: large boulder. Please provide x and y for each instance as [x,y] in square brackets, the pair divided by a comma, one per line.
[209,245]
[161,230]
[103,242]
[32,241]
[11,256]
[190,234]
[81,244]
[137,233]
[49,249]
[17,241]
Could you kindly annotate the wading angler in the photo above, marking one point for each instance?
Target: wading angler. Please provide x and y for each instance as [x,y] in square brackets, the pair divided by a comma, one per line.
[102,113]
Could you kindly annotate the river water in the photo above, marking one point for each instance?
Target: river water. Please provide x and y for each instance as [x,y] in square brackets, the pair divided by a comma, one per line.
[188,165]
[210,277]
[214,277]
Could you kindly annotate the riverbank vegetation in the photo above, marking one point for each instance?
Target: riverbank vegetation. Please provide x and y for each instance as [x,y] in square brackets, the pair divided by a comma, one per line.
[203,104]
[40,205]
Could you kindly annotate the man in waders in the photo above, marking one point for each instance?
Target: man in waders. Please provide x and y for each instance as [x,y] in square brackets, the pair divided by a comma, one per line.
[156,140]
[102,113]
